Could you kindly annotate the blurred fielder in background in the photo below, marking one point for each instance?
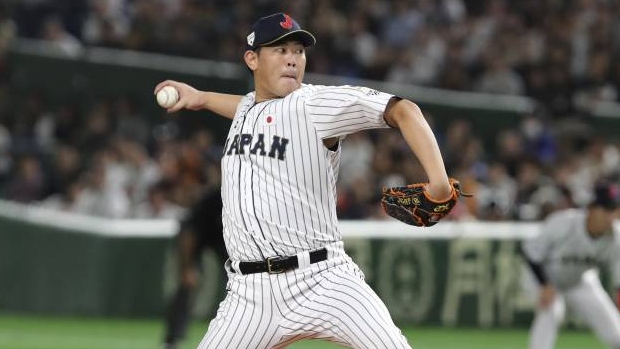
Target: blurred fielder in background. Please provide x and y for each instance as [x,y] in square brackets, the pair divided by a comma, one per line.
[199,230]
[564,258]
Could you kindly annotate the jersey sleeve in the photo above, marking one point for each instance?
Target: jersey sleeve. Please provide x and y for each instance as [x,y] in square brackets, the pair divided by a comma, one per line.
[340,110]
[614,266]
[537,248]
[614,260]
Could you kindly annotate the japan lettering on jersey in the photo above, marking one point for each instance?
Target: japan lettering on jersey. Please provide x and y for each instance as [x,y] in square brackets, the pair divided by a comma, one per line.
[278,178]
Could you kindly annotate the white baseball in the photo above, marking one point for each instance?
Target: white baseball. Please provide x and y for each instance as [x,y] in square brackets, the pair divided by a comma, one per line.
[167,96]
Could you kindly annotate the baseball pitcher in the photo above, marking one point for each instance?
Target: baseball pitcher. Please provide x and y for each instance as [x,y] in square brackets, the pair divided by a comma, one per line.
[289,277]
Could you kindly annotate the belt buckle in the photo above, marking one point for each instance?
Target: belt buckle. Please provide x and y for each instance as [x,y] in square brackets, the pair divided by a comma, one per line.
[270,267]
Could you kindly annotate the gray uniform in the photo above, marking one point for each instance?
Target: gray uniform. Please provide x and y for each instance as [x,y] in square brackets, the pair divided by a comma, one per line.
[570,257]
[279,197]
[566,250]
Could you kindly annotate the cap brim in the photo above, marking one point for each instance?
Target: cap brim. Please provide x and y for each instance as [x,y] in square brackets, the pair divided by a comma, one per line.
[305,37]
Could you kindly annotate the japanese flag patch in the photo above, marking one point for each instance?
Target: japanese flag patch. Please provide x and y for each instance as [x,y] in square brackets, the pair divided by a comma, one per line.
[269,120]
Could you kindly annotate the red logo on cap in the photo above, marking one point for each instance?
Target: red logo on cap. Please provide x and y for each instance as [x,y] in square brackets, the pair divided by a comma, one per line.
[288,22]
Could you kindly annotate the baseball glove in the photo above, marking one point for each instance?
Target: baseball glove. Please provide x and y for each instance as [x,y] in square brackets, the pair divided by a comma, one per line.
[411,204]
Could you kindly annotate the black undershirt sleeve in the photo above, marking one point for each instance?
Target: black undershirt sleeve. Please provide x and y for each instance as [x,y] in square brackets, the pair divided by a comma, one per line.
[537,268]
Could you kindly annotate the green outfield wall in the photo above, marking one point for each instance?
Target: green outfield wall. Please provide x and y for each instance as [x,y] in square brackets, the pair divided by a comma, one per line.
[52,263]
[50,270]
[453,274]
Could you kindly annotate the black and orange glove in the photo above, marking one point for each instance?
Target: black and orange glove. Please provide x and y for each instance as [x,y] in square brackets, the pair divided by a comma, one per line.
[411,204]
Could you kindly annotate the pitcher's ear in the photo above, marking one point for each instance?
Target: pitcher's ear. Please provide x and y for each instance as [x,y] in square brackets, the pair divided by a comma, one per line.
[251,59]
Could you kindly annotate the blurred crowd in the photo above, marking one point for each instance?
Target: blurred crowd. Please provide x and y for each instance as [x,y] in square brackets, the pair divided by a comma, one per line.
[564,53]
[106,161]
[109,161]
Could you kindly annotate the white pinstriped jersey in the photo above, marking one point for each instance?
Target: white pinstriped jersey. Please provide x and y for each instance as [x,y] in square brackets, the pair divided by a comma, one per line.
[278,179]
[566,250]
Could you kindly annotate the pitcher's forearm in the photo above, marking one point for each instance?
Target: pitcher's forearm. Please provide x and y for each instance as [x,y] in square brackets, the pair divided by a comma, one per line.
[221,103]
[420,138]
[193,99]
[408,117]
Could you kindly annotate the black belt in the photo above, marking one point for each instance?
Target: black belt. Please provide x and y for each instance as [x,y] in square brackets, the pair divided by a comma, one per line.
[278,264]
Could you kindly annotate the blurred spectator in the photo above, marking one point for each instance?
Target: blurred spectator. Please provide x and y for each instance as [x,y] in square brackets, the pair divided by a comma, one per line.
[499,77]
[400,69]
[8,30]
[23,119]
[497,195]
[30,16]
[597,160]
[456,137]
[130,124]
[157,205]
[356,201]
[211,152]
[28,183]
[141,171]
[421,63]
[183,166]
[100,197]
[67,124]
[454,74]
[404,23]
[6,160]
[146,29]
[355,158]
[595,86]
[364,42]
[97,129]
[66,200]
[106,23]
[64,170]
[187,29]
[206,145]
[65,43]
[386,159]
[538,139]
[531,184]
[510,150]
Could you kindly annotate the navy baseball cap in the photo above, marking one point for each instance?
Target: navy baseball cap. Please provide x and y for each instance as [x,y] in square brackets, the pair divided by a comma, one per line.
[606,195]
[275,27]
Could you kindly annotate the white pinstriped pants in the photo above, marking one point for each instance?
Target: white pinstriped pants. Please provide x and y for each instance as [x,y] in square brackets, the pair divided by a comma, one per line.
[590,300]
[327,300]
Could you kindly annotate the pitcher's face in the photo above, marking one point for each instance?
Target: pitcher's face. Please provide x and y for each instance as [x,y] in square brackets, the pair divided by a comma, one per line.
[278,69]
